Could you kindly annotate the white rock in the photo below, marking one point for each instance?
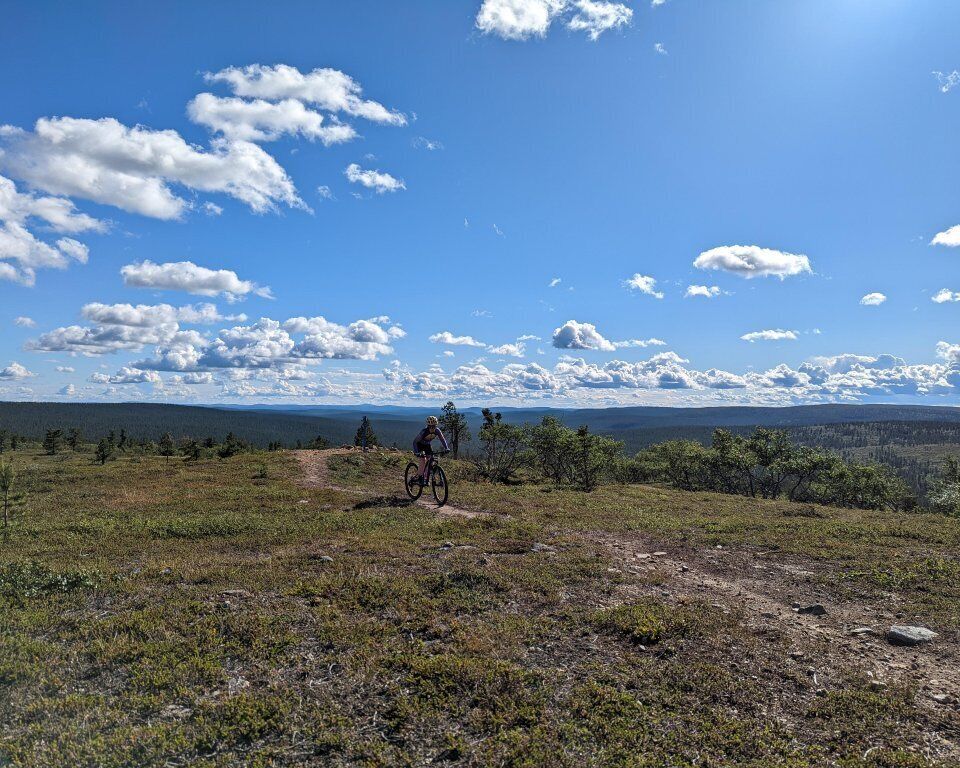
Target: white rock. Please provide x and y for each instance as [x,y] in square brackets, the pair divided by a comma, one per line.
[904,635]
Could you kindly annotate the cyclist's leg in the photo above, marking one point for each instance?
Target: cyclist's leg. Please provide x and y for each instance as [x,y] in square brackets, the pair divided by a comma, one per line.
[425,462]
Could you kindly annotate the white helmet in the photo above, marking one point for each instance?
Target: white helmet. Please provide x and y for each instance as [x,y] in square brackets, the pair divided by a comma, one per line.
[432,421]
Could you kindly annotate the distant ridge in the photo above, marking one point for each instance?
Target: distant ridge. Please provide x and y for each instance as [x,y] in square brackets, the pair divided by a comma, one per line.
[262,424]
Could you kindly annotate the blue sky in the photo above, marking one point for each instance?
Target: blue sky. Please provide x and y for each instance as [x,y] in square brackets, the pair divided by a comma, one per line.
[493,201]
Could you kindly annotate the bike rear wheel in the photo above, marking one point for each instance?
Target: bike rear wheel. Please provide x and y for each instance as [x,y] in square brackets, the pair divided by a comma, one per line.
[411,480]
[438,483]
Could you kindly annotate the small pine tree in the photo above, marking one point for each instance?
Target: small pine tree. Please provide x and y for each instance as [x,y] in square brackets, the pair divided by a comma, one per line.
[167,448]
[365,436]
[104,451]
[53,441]
[74,438]
[318,443]
[191,450]
[122,442]
[14,441]
[453,424]
[11,498]
[231,446]
[3,441]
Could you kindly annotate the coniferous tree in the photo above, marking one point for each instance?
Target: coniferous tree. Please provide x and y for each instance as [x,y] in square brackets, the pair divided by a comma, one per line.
[231,446]
[104,451]
[190,449]
[11,498]
[53,441]
[3,441]
[453,424]
[122,442]
[74,438]
[166,447]
[365,436]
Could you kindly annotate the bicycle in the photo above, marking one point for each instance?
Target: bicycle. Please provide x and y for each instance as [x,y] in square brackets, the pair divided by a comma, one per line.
[437,479]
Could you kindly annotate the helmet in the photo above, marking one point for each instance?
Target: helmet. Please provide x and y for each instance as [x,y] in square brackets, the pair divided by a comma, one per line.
[432,421]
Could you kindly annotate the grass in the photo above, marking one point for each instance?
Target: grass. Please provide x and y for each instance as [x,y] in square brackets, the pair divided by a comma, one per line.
[158,613]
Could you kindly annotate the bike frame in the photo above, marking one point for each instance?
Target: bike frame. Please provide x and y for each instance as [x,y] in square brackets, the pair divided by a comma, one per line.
[431,463]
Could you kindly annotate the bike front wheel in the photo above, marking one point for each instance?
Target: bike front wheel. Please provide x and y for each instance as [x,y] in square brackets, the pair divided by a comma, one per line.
[438,483]
[411,480]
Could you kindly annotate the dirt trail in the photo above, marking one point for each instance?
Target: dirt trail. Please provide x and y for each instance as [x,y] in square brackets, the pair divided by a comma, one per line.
[316,474]
[760,587]
[764,589]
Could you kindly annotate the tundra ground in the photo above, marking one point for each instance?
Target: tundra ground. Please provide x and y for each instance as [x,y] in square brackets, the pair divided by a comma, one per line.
[295,609]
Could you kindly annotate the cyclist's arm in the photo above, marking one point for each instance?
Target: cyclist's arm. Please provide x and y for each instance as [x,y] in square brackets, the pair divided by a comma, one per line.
[443,439]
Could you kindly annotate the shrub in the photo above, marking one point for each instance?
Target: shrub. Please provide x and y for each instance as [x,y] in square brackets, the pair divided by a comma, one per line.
[503,449]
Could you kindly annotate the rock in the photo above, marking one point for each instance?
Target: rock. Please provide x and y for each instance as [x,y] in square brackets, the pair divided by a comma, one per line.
[797,655]
[659,554]
[863,631]
[904,635]
[940,698]
[447,545]
[643,556]
[877,685]
[813,610]
[325,559]
[684,568]
[541,547]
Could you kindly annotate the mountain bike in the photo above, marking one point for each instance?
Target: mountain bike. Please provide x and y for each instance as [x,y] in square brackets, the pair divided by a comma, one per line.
[437,479]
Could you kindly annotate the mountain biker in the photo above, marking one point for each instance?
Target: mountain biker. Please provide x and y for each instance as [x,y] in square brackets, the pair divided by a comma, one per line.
[421,445]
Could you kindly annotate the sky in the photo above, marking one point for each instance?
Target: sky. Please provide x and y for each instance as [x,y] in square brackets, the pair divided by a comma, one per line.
[540,202]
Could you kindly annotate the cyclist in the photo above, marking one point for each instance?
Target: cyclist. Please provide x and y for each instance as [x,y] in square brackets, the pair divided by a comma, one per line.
[421,445]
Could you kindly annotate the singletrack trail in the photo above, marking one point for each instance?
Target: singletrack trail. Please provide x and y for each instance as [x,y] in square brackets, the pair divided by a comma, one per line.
[316,474]
[761,588]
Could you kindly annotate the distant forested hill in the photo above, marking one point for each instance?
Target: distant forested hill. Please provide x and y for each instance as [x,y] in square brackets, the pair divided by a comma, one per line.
[637,427]
[147,421]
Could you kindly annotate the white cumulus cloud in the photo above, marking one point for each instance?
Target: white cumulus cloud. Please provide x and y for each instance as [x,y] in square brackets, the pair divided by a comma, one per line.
[326,89]
[191,278]
[261,120]
[445,337]
[949,237]
[137,169]
[770,335]
[644,284]
[378,181]
[518,19]
[15,372]
[873,299]
[945,295]
[752,261]
[576,335]
[707,291]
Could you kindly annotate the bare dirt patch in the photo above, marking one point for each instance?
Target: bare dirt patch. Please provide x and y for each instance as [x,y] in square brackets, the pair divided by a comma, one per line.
[316,474]
[847,639]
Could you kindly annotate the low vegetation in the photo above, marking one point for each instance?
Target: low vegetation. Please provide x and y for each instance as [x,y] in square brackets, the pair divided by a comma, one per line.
[207,611]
